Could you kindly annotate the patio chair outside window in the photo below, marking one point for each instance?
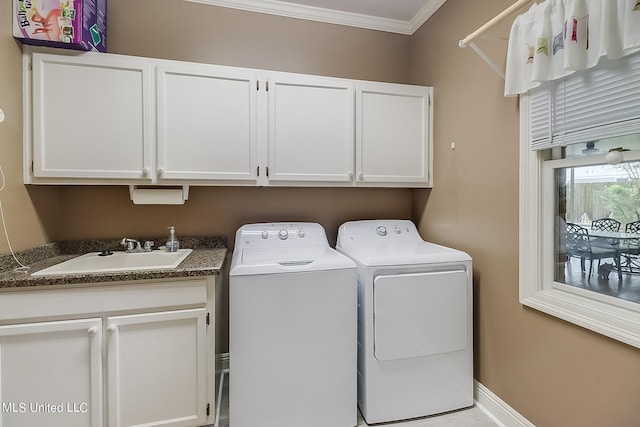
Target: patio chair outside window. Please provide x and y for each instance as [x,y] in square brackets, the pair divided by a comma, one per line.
[631,248]
[605,224]
[579,245]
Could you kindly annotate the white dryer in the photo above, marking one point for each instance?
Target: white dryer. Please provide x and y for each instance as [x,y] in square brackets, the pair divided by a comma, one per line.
[292,329]
[415,335]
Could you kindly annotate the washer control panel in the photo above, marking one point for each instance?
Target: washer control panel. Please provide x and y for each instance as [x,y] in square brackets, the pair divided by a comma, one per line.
[280,234]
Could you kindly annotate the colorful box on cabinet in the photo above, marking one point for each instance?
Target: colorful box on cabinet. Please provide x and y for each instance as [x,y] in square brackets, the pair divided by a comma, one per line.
[71,24]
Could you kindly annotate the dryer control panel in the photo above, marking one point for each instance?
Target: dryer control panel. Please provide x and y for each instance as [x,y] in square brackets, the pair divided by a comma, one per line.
[280,234]
[378,230]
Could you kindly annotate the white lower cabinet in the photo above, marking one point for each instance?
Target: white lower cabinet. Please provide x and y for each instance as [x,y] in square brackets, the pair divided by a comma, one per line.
[51,374]
[144,355]
[156,369]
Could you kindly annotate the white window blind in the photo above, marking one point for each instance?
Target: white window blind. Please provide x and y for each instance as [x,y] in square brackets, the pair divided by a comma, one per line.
[601,102]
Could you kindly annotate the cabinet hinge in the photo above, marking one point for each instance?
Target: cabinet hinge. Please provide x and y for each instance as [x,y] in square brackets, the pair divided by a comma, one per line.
[258,171]
[208,319]
[208,409]
[266,83]
[32,166]
[257,84]
[267,171]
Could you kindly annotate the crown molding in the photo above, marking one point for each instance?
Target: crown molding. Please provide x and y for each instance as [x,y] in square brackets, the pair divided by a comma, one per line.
[290,10]
[425,13]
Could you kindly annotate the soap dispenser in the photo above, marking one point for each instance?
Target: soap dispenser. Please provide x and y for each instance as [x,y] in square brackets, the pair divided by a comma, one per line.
[172,243]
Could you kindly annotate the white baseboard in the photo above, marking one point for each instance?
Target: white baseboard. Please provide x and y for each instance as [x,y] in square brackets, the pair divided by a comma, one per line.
[497,409]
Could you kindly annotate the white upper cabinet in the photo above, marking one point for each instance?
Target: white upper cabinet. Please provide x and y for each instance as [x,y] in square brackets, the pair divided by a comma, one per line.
[206,122]
[92,116]
[311,129]
[112,119]
[393,134]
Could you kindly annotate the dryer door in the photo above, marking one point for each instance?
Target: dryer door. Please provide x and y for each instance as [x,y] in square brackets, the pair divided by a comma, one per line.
[420,314]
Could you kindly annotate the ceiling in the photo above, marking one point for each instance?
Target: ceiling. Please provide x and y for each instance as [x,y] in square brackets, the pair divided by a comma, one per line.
[395,16]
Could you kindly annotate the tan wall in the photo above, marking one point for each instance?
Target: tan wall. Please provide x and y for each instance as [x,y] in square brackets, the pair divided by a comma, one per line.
[31,215]
[552,372]
[174,29]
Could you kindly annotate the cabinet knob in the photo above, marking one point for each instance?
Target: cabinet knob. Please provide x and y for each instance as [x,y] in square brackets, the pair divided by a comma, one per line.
[145,171]
[111,329]
[160,171]
[93,331]
[360,176]
[350,175]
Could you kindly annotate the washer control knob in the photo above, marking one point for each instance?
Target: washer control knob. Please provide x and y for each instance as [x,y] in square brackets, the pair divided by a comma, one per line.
[381,230]
[397,230]
[283,234]
[265,234]
[301,233]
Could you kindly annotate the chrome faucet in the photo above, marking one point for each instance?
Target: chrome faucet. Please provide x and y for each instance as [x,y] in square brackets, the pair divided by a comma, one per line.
[131,244]
[134,246]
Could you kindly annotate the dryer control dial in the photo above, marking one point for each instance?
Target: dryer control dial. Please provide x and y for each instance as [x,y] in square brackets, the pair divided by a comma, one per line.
[397,230]
[381,230]
[301,233]
[283,234]
[265,234]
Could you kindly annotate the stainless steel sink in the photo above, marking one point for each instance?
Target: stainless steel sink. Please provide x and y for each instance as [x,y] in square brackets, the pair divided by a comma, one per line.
[97,262]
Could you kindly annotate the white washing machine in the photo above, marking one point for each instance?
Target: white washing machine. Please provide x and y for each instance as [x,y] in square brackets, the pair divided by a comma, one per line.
[292,329]
[415,335]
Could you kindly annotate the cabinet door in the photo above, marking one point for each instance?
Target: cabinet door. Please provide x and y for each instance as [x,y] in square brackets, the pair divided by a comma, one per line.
[311,138]
[92,116]
[156,369]
[393,134]
[51,374]
[206,122]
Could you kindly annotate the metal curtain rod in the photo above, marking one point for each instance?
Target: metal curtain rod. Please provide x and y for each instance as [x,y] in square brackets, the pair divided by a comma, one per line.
[499,18]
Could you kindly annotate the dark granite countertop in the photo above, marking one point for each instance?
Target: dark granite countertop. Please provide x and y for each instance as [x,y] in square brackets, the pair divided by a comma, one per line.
[207,258]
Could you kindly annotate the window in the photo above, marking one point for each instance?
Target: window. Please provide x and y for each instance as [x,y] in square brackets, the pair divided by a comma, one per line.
[566,180]
[590,200]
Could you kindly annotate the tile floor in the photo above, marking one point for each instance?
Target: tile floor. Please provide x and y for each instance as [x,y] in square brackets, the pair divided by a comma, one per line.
[471,417]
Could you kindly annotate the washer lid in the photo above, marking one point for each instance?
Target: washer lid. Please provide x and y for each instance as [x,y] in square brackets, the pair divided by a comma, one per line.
[286,260]
[304,255]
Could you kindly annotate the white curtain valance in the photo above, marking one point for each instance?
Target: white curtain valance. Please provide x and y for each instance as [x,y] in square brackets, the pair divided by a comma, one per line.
[555,38]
